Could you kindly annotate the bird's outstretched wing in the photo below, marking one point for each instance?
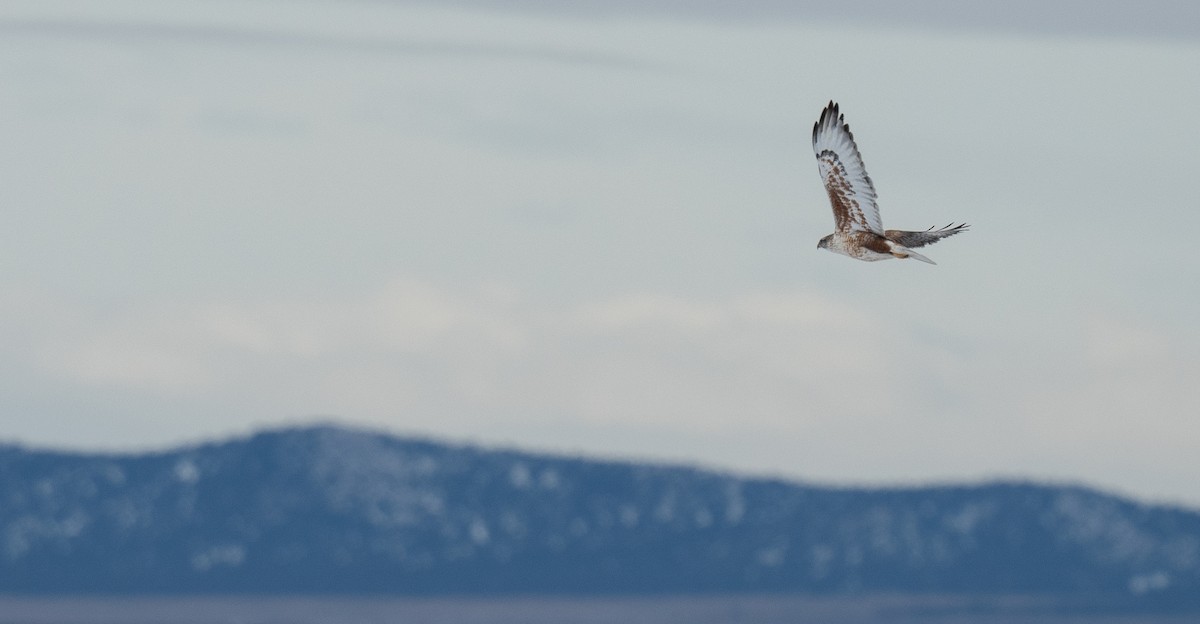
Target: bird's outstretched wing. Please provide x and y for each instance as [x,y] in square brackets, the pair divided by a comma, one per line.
[927,237]
[850,189]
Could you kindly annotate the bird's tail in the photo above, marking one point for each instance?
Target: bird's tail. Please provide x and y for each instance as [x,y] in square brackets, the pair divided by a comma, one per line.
[901,251]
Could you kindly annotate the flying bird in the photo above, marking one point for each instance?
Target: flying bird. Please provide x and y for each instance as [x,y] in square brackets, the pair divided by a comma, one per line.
[859,231]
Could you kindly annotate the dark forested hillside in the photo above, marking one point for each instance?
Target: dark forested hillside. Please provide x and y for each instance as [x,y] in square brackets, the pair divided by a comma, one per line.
[328,510]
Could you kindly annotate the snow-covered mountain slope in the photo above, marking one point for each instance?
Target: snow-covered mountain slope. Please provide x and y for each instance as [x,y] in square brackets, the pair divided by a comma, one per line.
[330,510]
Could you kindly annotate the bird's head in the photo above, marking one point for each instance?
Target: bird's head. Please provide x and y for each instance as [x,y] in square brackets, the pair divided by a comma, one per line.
[824,242]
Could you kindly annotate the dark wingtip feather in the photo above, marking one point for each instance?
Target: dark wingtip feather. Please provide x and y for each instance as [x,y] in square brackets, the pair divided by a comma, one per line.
[830,111]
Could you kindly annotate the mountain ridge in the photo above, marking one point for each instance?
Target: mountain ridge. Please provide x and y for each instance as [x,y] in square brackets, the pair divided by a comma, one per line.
[325,509]
[567,454]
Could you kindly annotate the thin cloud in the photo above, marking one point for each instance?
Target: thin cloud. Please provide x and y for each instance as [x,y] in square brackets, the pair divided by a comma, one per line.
[142,32]
[650,353]
[1171,19]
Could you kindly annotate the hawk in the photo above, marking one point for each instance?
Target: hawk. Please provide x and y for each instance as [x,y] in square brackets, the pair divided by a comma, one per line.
[860,232]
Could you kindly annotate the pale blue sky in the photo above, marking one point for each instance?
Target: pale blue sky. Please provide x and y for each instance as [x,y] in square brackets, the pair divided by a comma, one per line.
[595,231]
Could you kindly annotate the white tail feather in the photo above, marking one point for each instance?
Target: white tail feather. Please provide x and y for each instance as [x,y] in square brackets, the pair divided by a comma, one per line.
[902,252]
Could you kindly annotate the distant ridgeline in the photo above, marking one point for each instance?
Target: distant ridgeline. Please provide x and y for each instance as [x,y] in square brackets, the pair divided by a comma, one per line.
[328,510]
